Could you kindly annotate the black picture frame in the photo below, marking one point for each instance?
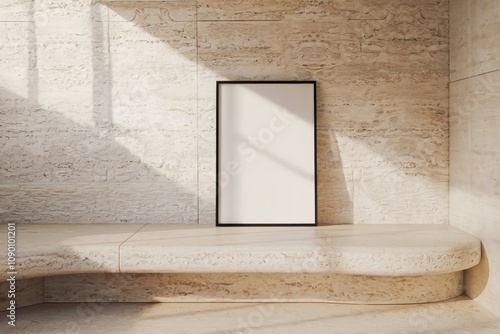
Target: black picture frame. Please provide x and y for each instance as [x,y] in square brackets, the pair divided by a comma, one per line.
[219,188]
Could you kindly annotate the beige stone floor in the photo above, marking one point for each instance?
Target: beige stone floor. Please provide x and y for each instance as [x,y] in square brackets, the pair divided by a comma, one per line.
[460,315]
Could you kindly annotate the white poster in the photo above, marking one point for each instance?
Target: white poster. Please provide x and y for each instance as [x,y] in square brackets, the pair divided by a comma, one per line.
[266,153]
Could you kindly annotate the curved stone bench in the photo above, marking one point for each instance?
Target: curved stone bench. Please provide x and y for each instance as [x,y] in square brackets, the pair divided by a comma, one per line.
[344,263]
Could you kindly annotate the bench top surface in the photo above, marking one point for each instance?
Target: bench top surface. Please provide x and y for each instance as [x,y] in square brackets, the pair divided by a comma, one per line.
[392,250]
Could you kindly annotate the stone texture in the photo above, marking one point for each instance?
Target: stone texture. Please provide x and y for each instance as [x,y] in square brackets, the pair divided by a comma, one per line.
[121,203]
[261,10]
[154,89]
[121,94]
[386,250]
[385,173]
[359,53]
[377,264]
[474,28]
[28,292]
[56,249]
[100,119]
[16,11]
[253,287]
[16,65]
[164,12]
[475,175]
[460,315]
[474,139]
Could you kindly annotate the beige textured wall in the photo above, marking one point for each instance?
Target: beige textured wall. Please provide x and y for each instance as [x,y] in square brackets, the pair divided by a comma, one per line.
[475,138]
[108,108]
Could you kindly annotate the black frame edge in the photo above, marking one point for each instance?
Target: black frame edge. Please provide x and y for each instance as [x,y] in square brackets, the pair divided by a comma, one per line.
[217,188]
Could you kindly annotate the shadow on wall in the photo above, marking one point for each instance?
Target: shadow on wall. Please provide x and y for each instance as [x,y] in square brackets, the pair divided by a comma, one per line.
[150,89]
[109,129]
[54,170]
[177,27]
[65,156]
[382,124]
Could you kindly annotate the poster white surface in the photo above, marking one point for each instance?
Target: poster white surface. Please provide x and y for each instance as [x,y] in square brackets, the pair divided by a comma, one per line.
[266,156]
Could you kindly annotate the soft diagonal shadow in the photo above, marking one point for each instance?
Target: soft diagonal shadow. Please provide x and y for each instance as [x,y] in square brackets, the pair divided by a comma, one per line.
[161,21]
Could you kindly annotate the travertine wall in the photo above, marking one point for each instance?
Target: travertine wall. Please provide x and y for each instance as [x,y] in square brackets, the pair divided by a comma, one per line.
[108,108]
[475,138]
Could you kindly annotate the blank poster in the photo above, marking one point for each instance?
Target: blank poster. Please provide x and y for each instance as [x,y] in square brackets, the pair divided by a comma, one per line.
[266,153]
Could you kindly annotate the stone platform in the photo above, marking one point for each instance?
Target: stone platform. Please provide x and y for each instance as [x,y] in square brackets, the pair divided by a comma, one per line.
[370,264]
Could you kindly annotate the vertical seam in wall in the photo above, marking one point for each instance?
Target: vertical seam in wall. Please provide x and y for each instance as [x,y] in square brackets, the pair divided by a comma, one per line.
[449,112]
[197,120]
[120,247]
